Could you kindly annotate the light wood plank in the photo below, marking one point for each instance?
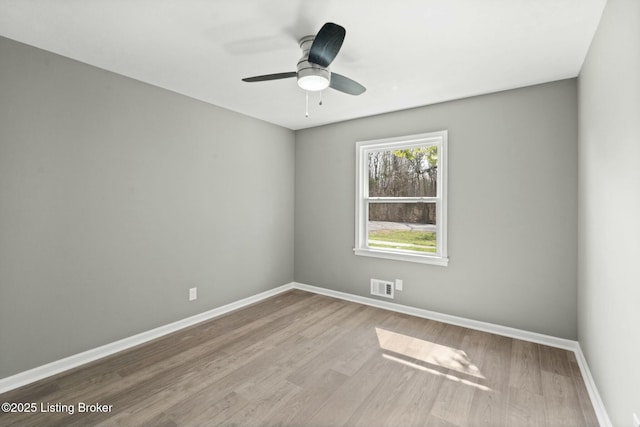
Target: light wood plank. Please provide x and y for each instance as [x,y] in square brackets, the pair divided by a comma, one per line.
[525,367]
[561,401]
[489,407]
[525,409]
[453,401]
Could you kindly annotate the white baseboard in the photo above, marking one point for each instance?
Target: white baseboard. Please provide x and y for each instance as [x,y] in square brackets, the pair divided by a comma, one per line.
[58,366]
[596,400]
[506,331]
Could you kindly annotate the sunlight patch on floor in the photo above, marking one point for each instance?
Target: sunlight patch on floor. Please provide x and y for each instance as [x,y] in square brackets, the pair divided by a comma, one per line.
[434,372]
[419,354]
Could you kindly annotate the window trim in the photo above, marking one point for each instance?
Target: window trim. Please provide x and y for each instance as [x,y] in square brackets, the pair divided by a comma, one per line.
[362,200]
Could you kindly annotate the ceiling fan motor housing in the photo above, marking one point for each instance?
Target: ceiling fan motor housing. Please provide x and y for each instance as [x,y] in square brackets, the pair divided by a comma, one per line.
[313,73]
[311,77]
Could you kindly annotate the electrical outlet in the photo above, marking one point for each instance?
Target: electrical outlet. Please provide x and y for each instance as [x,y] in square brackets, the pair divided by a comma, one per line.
[636,421]
[398,284]
[193,294]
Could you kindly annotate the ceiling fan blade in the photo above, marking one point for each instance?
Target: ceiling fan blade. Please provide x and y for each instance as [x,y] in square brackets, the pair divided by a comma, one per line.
[327,44]
[267,77]
[346,85]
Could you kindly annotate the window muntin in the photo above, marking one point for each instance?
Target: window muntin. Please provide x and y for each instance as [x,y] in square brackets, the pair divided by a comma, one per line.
[401,198]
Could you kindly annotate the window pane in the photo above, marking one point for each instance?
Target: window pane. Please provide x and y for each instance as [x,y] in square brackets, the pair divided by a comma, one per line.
[404,226]
[410,172]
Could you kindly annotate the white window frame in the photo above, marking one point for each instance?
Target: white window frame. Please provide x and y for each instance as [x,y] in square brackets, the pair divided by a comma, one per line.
[363,200]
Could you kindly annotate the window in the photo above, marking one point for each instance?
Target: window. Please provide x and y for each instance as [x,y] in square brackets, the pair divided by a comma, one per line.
[401,198]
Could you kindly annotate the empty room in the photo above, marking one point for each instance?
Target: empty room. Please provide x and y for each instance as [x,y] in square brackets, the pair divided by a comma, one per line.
[320,213]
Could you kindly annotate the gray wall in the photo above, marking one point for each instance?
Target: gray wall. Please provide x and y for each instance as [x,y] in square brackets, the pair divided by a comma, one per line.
[116,197]
[512,209]
[609,202]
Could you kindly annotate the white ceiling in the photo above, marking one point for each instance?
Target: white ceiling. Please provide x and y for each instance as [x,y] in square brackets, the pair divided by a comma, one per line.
[407,53]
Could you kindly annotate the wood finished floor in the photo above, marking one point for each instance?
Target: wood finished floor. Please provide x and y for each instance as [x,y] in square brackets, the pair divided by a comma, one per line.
[300,359]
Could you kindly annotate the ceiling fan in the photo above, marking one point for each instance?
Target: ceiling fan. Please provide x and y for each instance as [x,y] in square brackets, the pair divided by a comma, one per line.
[313,73]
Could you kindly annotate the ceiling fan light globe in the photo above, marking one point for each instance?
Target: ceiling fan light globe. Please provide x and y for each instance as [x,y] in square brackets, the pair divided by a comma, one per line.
[313,83]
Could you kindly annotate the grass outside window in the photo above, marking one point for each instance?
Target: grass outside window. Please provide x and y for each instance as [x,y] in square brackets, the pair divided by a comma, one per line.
[421,241]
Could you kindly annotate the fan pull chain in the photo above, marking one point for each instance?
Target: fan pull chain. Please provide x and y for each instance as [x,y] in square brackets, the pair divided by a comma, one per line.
[320,103]
[306,111]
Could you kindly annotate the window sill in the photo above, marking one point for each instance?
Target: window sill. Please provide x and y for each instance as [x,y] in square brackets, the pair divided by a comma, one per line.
[398,256]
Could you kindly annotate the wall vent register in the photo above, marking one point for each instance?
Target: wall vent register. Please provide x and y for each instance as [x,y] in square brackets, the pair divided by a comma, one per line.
[382,288]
